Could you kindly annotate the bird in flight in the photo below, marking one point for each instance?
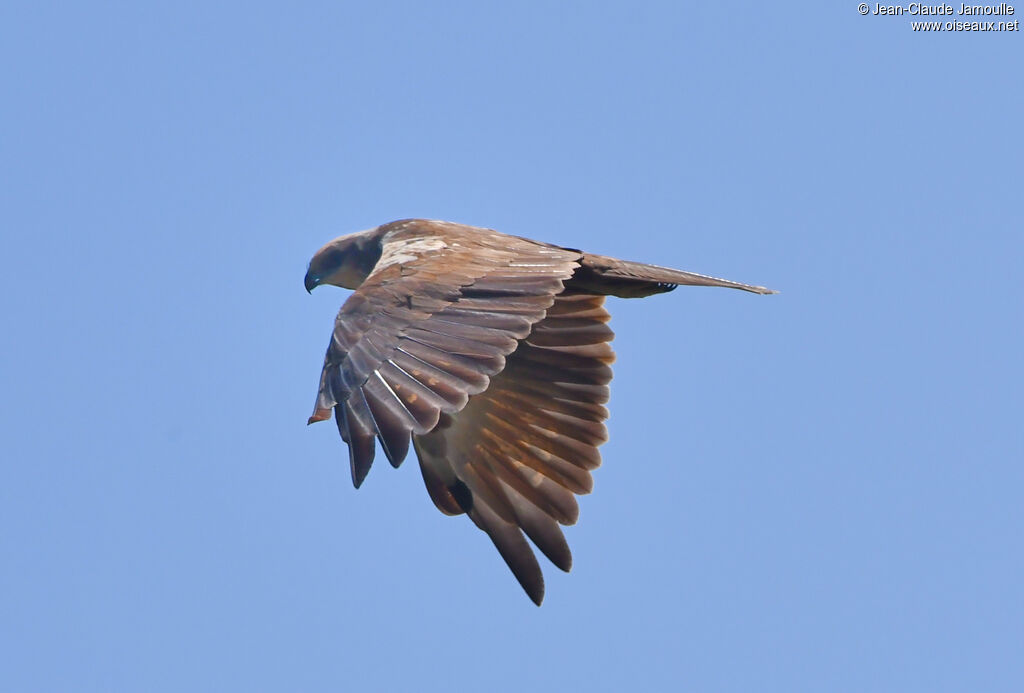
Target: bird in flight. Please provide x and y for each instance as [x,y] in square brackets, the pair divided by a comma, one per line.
[491,355]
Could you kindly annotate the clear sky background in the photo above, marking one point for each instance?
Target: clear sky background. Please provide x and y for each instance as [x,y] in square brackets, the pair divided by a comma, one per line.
[814,491]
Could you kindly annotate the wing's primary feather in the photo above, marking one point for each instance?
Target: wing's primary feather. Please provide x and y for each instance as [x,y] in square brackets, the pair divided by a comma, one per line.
[523,447]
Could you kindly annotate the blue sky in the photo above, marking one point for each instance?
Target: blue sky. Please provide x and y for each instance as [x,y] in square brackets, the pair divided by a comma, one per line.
[819,490]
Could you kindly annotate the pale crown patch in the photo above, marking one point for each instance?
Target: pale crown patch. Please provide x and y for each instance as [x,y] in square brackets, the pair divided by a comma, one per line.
[404,251]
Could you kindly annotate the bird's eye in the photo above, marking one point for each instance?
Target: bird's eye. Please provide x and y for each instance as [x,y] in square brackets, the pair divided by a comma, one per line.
[333,258]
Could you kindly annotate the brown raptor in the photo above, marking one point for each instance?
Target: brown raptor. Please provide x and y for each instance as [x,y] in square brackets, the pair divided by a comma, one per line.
[490,354]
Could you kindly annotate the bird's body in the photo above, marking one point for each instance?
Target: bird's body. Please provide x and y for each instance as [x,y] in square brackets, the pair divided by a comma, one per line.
[490,354]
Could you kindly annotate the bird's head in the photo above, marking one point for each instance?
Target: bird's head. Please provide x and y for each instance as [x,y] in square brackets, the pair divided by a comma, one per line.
[346,261]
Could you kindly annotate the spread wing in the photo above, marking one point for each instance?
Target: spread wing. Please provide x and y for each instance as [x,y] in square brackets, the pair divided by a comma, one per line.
[430,326]
[513,457]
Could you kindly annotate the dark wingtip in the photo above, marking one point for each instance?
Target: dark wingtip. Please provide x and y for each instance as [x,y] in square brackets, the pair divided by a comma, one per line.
[359,474]
[360,453]
[533,586]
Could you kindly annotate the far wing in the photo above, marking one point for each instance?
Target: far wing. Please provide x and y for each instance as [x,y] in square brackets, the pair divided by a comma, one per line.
[608,275]
[428,328]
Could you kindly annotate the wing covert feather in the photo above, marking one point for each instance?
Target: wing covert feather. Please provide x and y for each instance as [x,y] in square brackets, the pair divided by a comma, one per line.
[428,328]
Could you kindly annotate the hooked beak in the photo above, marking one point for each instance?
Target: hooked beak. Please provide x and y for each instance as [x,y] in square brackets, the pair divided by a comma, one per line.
[311,282]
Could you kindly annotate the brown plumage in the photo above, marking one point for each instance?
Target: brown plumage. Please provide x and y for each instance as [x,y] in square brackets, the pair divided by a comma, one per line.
[490,354]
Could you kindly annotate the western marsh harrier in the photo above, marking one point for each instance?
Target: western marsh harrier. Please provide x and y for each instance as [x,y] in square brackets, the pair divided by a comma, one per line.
[490,354]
